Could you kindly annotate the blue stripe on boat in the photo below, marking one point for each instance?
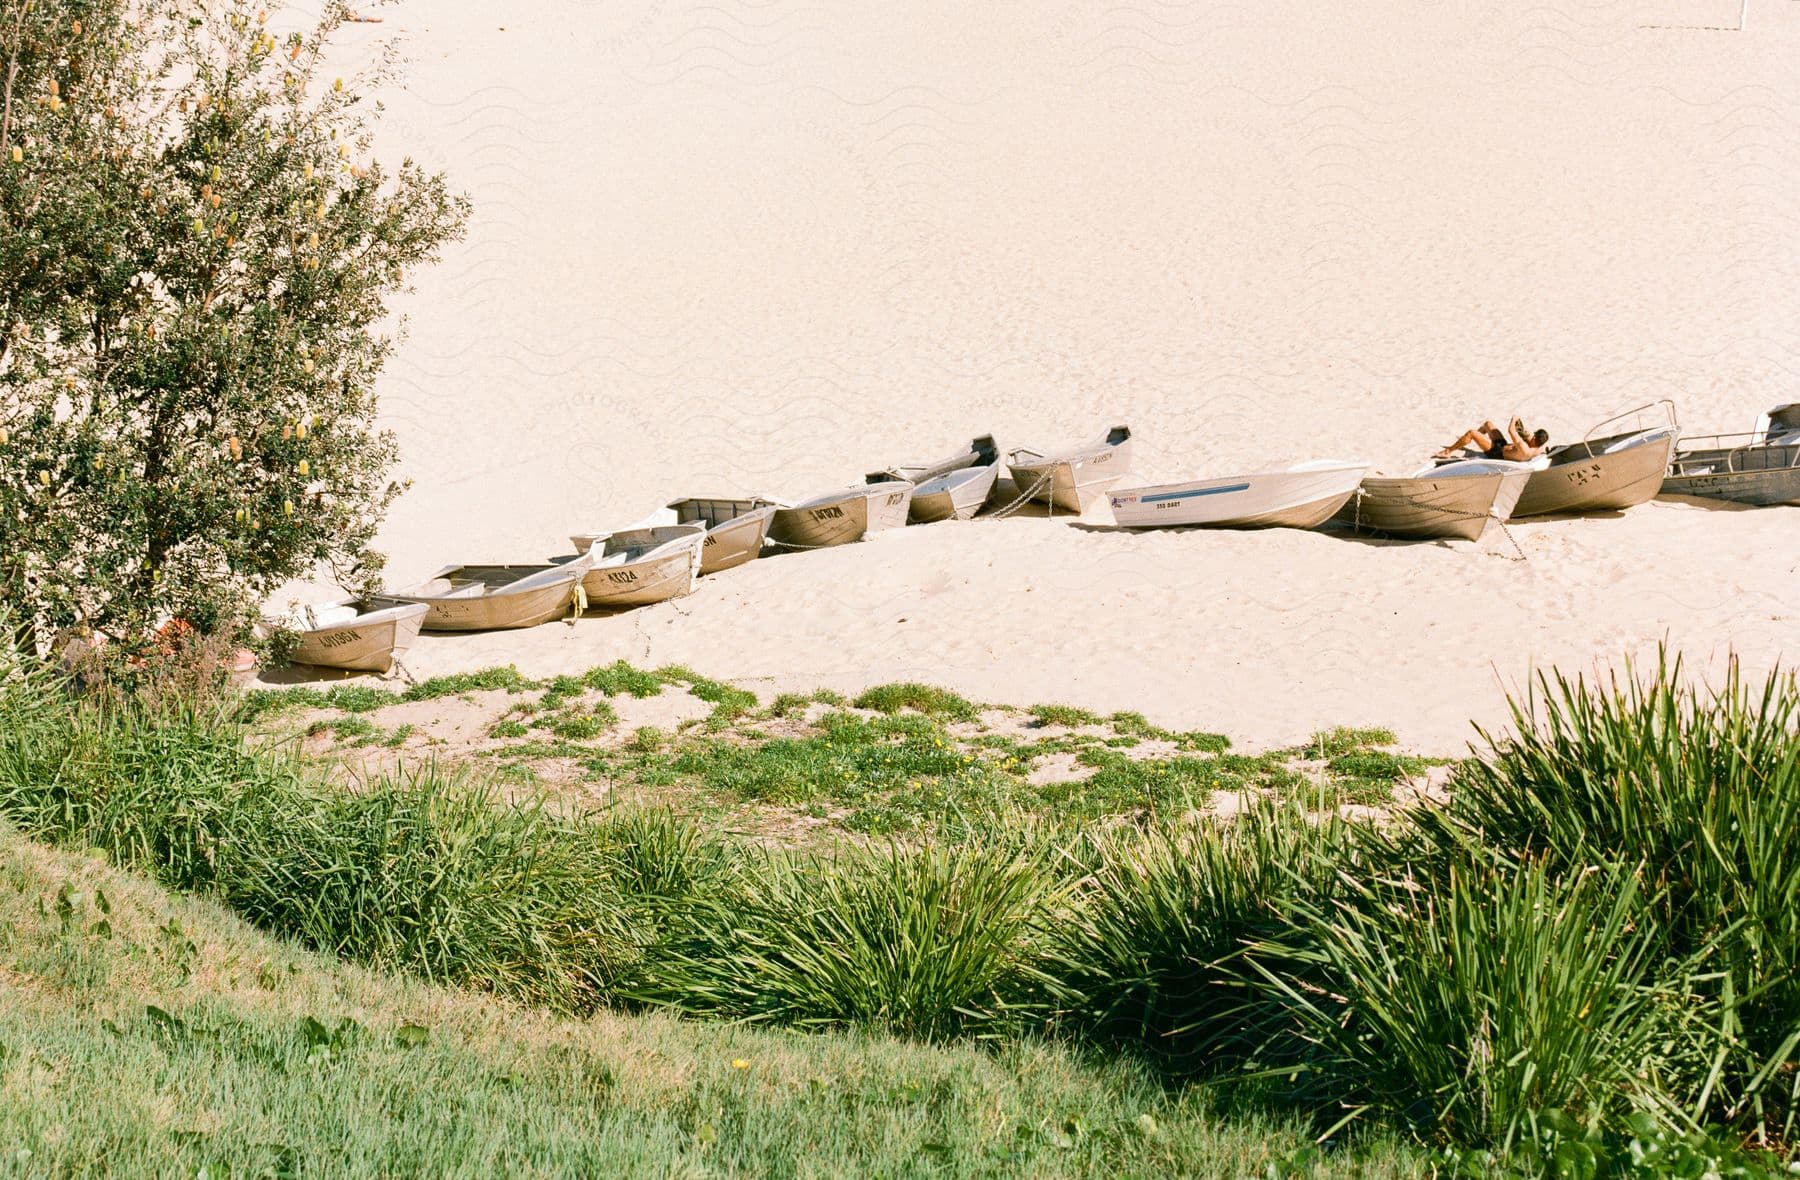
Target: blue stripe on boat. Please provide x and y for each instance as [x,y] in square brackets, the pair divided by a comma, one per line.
[1220,490]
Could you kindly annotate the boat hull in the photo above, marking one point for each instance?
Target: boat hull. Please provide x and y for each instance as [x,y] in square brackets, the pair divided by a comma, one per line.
[842,517]
[368,643]
[1452,507]
[1284,499]
[956,496]
[664,563]
[1587,477]
[495,597]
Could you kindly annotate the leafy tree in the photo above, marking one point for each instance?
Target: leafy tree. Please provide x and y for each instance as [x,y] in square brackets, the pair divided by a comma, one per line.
[196,256]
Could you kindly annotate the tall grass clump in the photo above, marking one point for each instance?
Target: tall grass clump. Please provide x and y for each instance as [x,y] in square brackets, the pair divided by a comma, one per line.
[1701,787]
[1468,1012]
[1151,957]
[924,942]
[438,876]
[653,853]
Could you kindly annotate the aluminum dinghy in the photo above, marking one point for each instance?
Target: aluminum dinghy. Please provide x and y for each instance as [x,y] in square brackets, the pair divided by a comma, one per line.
[494,597]
[735,528]
[1761,468]
[1071,479]
[840,517]
[352,635]
[636,567]
[1605,472]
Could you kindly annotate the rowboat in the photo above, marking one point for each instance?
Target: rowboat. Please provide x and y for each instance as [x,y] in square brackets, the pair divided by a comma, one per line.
[980,452]
[495,597]
[635,567]
[735,529]
[1604,473]
[955,488]
[1299,497]
[837,518]
[350,635]
[957,495]
[1456,500]
[1071,479]
[1761,468]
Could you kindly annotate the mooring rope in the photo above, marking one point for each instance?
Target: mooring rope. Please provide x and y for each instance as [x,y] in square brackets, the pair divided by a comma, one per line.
[1042,482]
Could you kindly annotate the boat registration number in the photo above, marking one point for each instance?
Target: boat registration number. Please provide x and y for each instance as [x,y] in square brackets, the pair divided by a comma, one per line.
[1582,475]
[339,638]
[622,577]
[831,513]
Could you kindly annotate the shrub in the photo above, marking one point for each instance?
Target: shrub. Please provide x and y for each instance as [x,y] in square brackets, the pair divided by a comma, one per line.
[196,256]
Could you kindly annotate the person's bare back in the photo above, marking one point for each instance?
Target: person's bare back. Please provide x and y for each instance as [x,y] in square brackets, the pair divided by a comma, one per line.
[1488,441]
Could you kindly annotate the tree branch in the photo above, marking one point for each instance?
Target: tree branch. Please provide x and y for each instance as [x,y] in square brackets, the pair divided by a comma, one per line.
[12,75]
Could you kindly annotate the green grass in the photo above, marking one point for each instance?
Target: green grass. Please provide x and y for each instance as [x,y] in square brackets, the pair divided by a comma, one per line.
[888,772]
[1698,790]
[1588,954]
[486,680]
[221,1051]
[922,942]
[621,678]
[1335,743]
[362,698]
[1064,715]
[728,701]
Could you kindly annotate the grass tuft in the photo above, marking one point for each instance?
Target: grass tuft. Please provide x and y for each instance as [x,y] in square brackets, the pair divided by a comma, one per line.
[917,698]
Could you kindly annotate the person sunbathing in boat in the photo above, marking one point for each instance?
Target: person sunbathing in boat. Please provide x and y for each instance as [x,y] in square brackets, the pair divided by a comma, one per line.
[1488,441]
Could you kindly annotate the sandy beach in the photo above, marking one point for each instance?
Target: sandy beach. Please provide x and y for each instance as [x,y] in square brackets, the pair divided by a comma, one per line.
[727,247]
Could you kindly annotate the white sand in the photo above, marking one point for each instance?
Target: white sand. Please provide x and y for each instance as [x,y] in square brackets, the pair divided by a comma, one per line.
[728,246]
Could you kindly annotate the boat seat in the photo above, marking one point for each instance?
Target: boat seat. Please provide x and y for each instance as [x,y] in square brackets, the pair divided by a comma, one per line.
[330,616]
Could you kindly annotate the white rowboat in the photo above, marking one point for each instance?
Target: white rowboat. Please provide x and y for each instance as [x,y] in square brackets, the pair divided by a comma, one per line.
[838,518]
[953,488]
[1300,497]
[735,529]
[955,496]
[494,597]
[1456,500]
[980,452]
[347,635]
[1074,478]
[635,567]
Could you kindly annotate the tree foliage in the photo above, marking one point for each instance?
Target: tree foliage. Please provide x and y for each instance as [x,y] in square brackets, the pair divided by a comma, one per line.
[196,257]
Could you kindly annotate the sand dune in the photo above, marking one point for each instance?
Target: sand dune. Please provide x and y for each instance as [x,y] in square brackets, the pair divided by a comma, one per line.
[730,247]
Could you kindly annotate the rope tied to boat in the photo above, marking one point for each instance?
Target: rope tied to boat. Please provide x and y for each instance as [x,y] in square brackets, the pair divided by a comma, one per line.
[798,545]
[578,602]
[1040,484]
[1357,524]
